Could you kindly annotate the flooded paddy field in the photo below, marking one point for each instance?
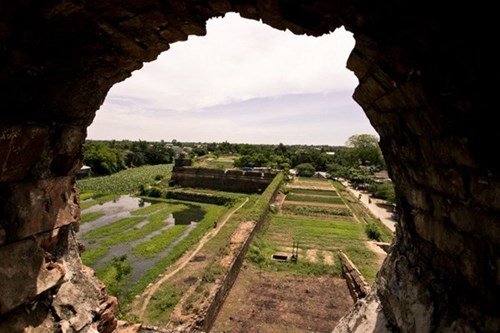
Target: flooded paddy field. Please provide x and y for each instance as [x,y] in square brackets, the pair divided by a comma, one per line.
[128,239]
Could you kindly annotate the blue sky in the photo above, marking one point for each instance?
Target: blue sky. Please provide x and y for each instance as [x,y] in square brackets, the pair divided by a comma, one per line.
[243,82]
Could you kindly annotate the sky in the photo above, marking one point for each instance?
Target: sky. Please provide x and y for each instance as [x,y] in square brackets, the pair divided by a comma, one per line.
[244,82]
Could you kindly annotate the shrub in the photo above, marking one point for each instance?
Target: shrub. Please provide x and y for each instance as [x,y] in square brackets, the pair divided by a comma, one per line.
[158,177]
[154,192]
[305,169]
[383,191]
[372,231]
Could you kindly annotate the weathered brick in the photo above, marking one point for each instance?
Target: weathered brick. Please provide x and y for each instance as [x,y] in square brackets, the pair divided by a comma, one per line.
[20,148]
[25,273]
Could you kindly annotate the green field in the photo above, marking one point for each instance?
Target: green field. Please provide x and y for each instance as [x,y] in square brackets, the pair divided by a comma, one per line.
[311,198]
[116,272]
[313,233]
[126,181]
[312,192]
[315,210]
[358,208]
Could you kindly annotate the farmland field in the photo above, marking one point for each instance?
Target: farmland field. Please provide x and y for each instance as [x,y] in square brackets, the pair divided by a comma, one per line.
[125,181]
[128,249]
[266,286]
[314,192]
[313,198]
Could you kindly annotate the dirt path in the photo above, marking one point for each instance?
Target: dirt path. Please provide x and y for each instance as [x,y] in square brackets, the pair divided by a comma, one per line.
[381,213]
[184,260]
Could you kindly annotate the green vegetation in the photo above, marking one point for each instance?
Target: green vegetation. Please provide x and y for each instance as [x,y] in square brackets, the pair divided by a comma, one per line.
[213,213]
[261,206]
[159,242]
[319,234]
[87,217]
[372,231]
[305,169]
[315,210]
[163,303]
[310,198]
[115,274]
[108,157]
[103,159]
[312,192]
[385,234]
[125,181]
[384,191]
[113,229]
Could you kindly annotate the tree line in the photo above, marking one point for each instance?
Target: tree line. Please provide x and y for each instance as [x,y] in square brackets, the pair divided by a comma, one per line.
[107,157]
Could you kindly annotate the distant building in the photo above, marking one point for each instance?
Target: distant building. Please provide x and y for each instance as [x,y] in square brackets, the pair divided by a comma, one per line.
[330,153]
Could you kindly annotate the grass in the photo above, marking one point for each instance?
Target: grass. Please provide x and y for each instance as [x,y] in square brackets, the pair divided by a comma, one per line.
[315,210]
[126,181]
[163,303]
[215,248]
[115,274]
[312,192]
[312,233]
[386,235]
[310,198]
[213,213]
[156,221]
[159,242]
[92,255]
[112,229]
[124,230]
[91,216]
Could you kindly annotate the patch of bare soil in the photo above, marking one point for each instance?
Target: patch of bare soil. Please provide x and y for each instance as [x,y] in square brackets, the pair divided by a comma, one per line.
[275,302]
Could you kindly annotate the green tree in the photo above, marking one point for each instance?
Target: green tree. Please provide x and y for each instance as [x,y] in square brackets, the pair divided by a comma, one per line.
[305,169]
[365,150]
[103,159]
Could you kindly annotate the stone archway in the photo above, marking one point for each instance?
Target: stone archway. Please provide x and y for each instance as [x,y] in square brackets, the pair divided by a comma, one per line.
[418,68]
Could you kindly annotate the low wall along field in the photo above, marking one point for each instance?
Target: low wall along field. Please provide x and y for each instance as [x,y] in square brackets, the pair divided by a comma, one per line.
[222,180]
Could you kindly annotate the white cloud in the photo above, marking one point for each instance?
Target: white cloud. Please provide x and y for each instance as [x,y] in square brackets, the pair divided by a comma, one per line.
[197,90]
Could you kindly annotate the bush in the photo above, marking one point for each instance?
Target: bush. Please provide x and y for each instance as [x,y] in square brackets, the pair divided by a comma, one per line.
[158,177]
[383,191]
[154,192]
[305,170]
[373,232]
